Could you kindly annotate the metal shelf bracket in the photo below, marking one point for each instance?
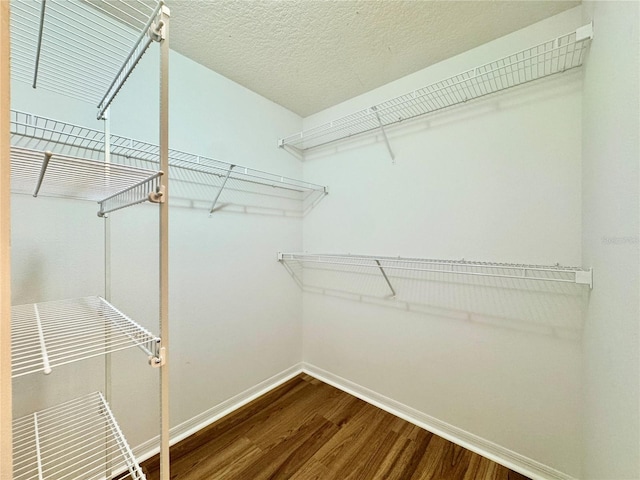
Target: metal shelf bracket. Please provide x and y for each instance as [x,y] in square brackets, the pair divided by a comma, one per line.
[158,196]
[224,182]
[43,170]
[384,135]
[386,279]
[159,359]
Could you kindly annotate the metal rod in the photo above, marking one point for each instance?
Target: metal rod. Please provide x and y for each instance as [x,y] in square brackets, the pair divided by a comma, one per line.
[43,169]
[393,292]
[46,368]
[37,440]
[107,292]
[384,134]
[38,49]
[224,182]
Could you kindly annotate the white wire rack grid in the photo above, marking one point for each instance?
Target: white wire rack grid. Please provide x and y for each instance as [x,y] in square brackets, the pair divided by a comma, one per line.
[79,439]
[50,334]
[85,49]
[548,58]
[193,176]
[112,185]
[399,267]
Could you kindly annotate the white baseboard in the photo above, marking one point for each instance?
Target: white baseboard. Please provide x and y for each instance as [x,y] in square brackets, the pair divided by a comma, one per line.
[499,454]
[151,447]
[512,460]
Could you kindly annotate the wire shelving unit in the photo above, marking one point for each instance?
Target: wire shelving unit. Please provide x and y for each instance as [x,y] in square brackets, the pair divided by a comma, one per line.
[76,439]
[549,58]
[85,49]
[50,334]
[113,186]
[390,267]
[194,176]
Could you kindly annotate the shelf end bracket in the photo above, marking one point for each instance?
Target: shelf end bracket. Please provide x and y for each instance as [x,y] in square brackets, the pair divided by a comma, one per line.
[585,278]
[584,32]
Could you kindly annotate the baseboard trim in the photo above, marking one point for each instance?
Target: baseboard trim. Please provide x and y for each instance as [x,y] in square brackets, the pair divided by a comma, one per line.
[150,448]
[499,454]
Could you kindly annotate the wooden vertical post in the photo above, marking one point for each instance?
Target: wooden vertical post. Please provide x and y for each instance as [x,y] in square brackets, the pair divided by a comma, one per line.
[6,467]
[164,247]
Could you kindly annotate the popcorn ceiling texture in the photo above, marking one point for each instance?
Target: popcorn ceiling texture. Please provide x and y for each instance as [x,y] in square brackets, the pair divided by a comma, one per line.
[308,55]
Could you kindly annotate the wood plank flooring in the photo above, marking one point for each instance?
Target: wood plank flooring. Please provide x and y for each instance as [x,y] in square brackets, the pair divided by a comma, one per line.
[308,430]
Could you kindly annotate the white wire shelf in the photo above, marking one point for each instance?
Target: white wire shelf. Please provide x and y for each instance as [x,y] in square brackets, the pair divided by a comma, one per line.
[193,176]
[399,266]
[76,440]
[113,186]
[548,58]
[50,334]
[85,49]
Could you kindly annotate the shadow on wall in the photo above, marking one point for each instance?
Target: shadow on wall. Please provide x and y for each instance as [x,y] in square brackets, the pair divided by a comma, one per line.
[534,306]
[29,287]
[207,191]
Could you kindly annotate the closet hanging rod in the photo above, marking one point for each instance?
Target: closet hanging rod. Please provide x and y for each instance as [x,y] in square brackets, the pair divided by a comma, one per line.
[548,58]
[554,273]
[72,441]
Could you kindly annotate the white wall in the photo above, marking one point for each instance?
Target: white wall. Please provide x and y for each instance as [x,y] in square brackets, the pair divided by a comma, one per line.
[495,180]
[234,313]
[611,242]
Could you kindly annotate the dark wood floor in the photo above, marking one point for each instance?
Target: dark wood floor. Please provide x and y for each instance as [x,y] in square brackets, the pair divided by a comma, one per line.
[307,430]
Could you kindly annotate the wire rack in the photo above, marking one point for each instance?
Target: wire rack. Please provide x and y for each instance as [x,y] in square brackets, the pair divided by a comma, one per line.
[79,439]
[193,176]
[399,266]
[85,49]
[113,186]
[51,334]
[548,58]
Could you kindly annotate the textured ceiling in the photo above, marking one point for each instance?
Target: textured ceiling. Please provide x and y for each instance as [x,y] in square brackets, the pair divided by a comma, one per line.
[307,55]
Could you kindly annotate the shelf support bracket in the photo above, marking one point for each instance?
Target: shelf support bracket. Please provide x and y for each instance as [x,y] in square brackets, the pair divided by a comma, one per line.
[224,182]
[46,367]
[159,359]
[384,134]
[43,6]
[386,279]
[43,170]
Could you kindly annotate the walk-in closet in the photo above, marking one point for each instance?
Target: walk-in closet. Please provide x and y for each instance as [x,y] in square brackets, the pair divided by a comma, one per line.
[325,240]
